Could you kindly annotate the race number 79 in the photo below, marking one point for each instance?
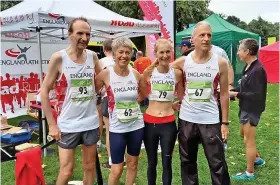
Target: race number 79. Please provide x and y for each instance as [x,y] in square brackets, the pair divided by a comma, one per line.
[162,94]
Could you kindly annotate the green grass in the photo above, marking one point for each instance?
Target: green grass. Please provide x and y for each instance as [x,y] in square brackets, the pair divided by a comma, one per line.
[267,144]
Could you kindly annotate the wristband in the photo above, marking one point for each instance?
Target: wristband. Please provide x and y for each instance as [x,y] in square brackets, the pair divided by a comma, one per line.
[225,123]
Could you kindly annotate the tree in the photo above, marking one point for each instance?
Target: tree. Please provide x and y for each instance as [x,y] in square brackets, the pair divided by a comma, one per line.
[237,22]
[233,20]
[190,12]
[264,28]
[222,15]
[125,8]
[7,4]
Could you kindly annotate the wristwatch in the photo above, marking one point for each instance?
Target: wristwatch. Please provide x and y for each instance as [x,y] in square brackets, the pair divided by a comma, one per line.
[225,123]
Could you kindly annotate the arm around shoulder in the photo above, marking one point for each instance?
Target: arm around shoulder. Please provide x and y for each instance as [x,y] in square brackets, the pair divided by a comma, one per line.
[179,63]
[101,78]
[180,84]
[97,63]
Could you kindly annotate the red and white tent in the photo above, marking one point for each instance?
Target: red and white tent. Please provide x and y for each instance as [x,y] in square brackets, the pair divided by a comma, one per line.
[269,56]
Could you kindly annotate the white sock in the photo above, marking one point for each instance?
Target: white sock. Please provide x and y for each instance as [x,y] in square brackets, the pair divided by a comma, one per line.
[249,174]
[110,160]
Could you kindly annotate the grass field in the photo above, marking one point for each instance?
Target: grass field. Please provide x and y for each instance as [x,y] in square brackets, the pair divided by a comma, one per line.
[267,143]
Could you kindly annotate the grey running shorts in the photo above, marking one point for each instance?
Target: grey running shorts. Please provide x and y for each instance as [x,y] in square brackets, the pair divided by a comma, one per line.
[252,118]
[72,140]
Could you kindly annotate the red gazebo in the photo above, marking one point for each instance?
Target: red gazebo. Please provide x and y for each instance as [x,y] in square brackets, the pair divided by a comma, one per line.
[269,56]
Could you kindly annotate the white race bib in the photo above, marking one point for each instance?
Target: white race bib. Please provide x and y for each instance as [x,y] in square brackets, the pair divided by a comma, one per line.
[199,91]
[162,92]
[127,111]
[81,90]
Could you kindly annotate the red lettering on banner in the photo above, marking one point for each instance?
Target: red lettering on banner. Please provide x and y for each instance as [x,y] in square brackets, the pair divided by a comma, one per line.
[122,23]
[17,18]
[22,35]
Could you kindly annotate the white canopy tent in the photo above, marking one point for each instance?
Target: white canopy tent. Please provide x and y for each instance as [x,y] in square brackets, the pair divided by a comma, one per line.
[52,16]
[48,20]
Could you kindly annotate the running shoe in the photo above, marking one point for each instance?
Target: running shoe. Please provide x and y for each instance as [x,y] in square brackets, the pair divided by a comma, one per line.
[259,162]
[243,176]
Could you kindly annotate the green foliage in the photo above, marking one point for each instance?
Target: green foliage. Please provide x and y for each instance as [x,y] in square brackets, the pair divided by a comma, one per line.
[190,12]
[260,26]
[125,8]
[264,28]
[8,4]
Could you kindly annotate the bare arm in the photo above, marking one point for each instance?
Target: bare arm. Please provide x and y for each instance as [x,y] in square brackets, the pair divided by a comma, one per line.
[101,78]
[224,94]
[180,84]
[98,67]
[49,81]
[230,70]
[142,86]
[179,63]
[101,63]
[230,77]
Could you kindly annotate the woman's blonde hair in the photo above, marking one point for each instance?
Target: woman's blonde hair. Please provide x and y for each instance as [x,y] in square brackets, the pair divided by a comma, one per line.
[121,42]
[162,41]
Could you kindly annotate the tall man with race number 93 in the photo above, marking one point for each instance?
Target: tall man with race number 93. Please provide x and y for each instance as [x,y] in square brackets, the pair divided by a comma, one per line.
[73,69]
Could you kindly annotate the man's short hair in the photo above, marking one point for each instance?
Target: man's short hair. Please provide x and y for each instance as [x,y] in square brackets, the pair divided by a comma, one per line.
[107,45]
[199,24]
[139,53]
[250,44]
[70,27]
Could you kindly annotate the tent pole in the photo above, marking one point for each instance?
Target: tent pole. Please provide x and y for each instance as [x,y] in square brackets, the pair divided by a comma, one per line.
[231,53]
[38,30]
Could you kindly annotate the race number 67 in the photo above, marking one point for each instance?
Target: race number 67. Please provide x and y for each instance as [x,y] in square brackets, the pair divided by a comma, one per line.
[198,92]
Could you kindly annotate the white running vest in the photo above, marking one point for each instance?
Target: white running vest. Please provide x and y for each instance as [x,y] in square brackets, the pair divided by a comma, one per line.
[199,104]
[124,111]
[76,95]
[162,85]
[107,61]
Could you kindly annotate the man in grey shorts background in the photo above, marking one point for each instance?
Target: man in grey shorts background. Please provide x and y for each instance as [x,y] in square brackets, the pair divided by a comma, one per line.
[73,70]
